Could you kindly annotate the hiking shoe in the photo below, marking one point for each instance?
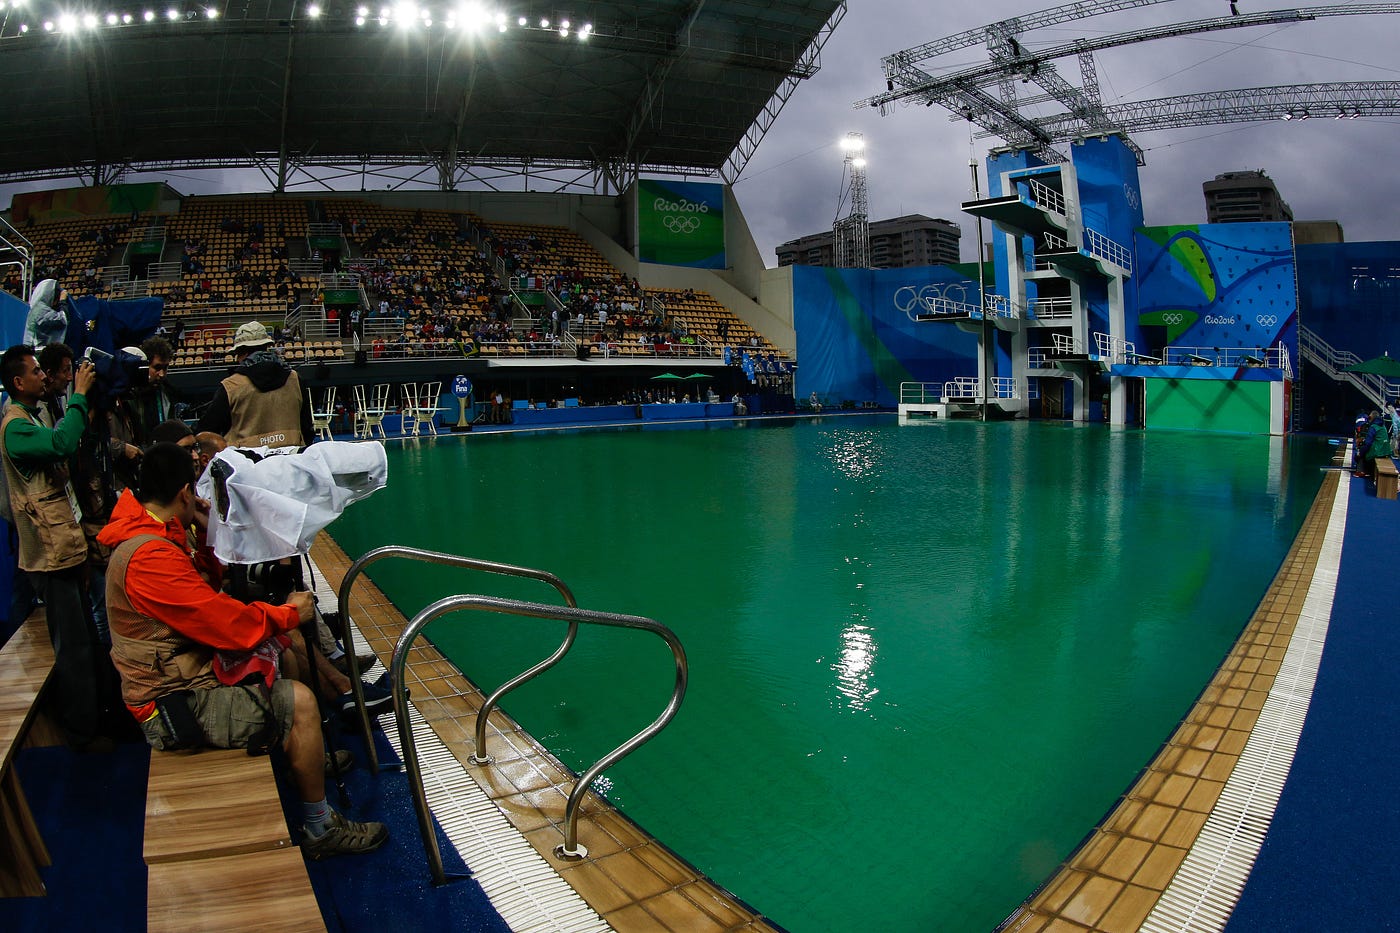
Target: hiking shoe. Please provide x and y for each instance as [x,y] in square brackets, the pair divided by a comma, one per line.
[378,700]
[366,661]
[344,837]
[342,762]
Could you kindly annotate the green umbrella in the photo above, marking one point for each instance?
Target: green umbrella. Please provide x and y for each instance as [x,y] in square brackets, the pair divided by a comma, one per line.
[699,376]
[1382,365]
[668,376]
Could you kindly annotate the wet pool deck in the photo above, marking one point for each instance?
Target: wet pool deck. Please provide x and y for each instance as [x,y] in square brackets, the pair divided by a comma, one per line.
[1148,865]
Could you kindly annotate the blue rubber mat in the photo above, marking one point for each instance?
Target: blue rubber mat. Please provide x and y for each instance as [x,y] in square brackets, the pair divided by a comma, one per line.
[91,811]
[91,814]
[1330,859]
[391,889]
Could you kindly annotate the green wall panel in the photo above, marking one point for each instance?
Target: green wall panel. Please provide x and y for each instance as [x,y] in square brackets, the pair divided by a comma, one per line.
[1209,405]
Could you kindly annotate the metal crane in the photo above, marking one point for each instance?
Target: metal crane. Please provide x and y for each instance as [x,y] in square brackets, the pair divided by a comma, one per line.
[966,91]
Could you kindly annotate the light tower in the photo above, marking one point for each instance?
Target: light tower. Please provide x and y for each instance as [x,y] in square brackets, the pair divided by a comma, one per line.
[852,232]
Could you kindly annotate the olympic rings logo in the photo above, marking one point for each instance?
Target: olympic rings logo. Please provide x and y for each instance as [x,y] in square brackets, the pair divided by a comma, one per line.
[1173,318]
[1267,320]
[930,299]
[1131,195]
[680,224]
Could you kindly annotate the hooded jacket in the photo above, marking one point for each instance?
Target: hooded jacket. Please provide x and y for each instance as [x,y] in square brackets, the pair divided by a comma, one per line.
[174,612]
[46,323]
[261,401]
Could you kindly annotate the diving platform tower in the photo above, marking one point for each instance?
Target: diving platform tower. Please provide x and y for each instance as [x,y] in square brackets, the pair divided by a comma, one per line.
[1062,247]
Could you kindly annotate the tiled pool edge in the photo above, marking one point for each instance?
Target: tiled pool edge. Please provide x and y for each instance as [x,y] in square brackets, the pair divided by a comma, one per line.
[1115,880]
[633,881]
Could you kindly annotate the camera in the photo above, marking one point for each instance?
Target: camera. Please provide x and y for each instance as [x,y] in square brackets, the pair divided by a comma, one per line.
[95,355]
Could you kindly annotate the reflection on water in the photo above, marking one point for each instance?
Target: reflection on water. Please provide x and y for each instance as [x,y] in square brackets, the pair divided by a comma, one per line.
[966,635]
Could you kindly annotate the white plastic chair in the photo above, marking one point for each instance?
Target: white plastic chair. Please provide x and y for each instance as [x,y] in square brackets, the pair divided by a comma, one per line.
[425,406]
[409,408]
[371,405]
[321,416]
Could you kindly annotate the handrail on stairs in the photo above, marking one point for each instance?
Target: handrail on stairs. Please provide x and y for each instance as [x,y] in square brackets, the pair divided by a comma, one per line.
[569,613]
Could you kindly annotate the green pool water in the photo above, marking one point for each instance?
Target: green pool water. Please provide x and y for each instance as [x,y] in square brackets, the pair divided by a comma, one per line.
[924,661]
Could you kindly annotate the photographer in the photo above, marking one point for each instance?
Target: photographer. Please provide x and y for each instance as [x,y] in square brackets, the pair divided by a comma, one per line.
[261,404]
[167,624]
[52,549]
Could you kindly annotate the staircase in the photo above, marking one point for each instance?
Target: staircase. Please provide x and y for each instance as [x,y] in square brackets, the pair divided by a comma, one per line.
[1377,389]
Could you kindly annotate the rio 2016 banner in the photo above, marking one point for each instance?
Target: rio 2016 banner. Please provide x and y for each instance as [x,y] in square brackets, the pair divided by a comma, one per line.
[680,223]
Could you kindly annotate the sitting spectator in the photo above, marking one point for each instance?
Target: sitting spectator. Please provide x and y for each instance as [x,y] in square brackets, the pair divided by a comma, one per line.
[167,623]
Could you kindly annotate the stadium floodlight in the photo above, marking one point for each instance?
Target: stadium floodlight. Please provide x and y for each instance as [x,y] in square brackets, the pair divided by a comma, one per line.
[112,19]
[23,27]
[126,19]
[211,12]
[361,11]
[89,20]
[852,143]
[544,23]
[564,24]
[48,25]
[359,21]
[148,15]
[172,14]
[405,15]
[313,11]
[859,162]
[67,22]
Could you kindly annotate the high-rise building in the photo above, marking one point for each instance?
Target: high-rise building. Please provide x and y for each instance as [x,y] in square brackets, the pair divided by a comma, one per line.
[1244,197]
[911,240]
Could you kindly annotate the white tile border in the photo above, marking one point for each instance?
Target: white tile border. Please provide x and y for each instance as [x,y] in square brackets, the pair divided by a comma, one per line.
[1206,888]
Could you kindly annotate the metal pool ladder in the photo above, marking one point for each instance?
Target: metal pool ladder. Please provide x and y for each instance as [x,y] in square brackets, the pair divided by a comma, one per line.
[570,613]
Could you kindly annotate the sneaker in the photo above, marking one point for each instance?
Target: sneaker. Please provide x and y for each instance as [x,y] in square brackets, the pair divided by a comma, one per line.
[378,700]
[344,837]
[342,763]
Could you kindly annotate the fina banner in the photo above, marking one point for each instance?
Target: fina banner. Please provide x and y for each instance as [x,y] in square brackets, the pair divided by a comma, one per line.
[680,223]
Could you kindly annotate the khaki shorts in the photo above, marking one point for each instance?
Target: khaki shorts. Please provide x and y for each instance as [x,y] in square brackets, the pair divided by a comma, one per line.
[230,716]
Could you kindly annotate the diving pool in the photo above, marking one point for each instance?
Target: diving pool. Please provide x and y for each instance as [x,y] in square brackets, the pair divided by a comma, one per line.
[924,661]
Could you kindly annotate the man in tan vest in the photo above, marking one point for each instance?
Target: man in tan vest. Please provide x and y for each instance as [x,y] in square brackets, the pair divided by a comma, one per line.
[261,404]
[167,621]
[52,549]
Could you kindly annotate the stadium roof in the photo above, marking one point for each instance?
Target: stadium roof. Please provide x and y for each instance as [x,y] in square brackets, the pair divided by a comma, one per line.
[684,86]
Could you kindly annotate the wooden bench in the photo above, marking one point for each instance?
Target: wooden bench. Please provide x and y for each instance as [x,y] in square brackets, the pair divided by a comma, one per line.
[1386,477]
[218,852]
[26,661]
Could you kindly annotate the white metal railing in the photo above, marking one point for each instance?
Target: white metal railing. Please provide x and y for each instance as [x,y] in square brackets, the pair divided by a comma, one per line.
[1051,309]
[1064,343]
[1102,247]
[1002,306]
[133,288]
[305,267]
[970,387]
[110,274]
[1038,358]
[17,250]
[164,271]
[921,393]
[1114,349]
[1043,196]
[339,280]
[153,232]
[1264,357]
[322,230]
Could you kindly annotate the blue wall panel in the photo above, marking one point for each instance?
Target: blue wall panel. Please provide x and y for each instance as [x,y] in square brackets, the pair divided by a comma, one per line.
[856,341]
[1349,295]
[1217,285]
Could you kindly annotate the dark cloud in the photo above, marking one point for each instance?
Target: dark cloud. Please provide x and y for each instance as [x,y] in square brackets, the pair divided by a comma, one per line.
[1326,169]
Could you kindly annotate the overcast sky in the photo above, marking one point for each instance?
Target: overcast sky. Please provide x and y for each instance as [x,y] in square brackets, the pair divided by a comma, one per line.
[1325,169]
